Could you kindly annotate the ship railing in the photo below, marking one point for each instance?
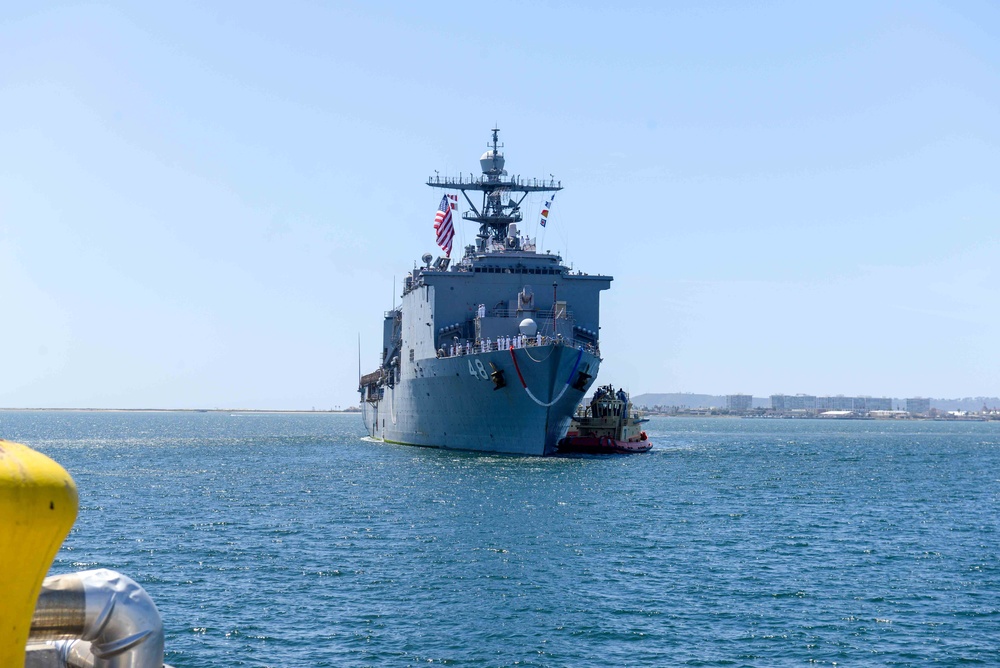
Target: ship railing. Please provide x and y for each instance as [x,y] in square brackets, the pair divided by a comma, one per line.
[472,180]
[524,244]
[475,346]
[541,316]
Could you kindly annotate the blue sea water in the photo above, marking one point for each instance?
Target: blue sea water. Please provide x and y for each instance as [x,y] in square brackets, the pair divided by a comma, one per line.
[289,540]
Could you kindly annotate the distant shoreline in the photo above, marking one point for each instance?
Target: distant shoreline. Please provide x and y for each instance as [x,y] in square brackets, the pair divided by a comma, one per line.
[178,410]
[648,413]
[893,418]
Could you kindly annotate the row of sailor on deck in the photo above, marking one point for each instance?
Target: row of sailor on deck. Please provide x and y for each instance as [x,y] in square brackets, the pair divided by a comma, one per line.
[487,345]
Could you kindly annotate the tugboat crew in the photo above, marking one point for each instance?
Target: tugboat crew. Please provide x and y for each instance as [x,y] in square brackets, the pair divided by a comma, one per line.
[622,397]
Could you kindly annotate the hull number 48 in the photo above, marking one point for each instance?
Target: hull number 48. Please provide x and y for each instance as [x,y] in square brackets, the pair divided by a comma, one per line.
[477,370]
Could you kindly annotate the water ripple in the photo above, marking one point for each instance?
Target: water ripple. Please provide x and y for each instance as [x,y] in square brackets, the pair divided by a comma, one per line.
[289,540]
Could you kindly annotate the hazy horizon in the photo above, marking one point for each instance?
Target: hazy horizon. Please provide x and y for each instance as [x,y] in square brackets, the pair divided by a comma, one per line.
[326,409]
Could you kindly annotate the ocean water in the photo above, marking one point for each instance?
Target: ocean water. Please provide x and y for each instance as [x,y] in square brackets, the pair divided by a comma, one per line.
[289,540]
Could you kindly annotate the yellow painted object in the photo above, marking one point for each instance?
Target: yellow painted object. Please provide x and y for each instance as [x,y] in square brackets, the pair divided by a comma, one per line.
[38,504]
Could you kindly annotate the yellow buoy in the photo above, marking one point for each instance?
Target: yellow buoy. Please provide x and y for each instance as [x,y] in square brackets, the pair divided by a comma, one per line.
[38,504]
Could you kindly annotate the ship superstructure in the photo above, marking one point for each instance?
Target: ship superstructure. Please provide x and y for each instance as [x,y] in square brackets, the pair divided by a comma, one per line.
[492,352]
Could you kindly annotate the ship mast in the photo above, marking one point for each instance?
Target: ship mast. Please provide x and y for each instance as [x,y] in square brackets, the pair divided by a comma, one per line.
[493,215]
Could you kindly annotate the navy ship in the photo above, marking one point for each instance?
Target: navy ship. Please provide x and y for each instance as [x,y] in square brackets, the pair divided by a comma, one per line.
[493,352]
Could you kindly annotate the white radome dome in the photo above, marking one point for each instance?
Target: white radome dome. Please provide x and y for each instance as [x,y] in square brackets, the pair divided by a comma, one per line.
[486,162]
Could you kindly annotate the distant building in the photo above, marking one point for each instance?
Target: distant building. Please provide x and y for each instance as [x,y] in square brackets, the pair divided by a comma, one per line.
[918,406]
[868,404]
[839,403]
[740,403]
[798,402]
[886,415]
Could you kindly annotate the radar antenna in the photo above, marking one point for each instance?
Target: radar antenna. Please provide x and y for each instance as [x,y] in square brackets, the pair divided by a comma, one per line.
[500,206]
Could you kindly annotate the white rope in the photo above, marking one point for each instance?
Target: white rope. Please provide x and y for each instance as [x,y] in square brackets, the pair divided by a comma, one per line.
[528,353]
[535,399]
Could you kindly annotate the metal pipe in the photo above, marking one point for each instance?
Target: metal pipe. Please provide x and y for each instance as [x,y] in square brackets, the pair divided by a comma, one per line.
[99,619]
[60,611]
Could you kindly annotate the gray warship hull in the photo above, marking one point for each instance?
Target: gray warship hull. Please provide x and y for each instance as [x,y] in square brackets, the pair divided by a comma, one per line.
[453,402]
[473,358]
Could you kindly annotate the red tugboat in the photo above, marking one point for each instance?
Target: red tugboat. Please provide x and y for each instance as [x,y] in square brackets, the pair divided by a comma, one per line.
[608,425]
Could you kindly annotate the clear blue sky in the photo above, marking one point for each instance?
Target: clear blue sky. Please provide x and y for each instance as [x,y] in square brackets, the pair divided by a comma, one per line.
[204,204]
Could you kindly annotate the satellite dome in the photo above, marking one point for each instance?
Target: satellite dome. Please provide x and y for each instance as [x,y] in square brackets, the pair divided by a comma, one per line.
[491,165]
[528,327]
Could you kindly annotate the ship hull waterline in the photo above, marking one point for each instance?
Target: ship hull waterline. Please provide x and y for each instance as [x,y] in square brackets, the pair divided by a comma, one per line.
[452,402]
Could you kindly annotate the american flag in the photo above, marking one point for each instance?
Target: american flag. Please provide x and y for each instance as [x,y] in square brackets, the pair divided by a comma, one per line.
[442,223]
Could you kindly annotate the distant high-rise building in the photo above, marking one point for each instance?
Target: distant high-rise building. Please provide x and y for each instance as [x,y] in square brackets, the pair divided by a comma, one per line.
[808,402]
[798,402]
[918,406]
[837,403]
[865,404]
[739,402]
